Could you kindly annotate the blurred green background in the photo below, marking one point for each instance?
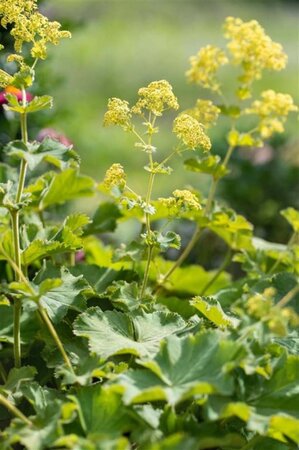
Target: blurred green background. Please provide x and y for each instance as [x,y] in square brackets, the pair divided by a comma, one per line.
[121,45]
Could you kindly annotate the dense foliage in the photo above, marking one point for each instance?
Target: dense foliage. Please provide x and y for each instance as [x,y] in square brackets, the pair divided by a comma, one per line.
[122,348]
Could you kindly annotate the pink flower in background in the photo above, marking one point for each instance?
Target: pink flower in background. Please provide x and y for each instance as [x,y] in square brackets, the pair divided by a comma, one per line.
[53,134]
[13,90]
[80,256]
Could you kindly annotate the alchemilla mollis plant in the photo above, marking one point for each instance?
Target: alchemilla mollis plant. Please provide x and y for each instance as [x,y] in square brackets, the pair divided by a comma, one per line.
[122,348]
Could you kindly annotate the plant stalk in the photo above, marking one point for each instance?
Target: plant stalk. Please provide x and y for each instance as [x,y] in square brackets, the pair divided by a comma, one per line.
[14,410]
[197,232]
[55,336]
[223,266]
[16,239]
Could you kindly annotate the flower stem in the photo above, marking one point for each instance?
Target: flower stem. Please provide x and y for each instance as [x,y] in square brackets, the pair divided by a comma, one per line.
[16,239]
[55,336]
[197,232]
[14,410]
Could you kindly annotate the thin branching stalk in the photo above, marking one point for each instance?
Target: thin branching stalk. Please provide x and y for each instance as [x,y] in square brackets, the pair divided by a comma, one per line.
[41,310]
[223,266]
[14,410]
[198,230]
[55,336]
[288,297]
[147,215]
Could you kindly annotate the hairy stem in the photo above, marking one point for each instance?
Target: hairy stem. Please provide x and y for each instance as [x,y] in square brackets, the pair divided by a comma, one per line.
[55,336]
[14,410]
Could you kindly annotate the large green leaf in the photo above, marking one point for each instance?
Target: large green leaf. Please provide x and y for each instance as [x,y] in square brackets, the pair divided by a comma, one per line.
[208,164]
[101,411]
[183,368]
[56,295]
[65,186]
[34,153]
[58,298]
[113,332]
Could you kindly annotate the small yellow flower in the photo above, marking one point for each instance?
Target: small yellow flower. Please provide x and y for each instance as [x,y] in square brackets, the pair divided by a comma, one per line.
[252,49]
[191,132]
[186,199]
[272,109]
[205,112]
[156,98]
[205,65]
[115,177]
[28,25]
[118,113]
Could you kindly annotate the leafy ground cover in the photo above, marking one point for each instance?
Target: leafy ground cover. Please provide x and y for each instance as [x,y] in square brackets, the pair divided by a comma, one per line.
[118,347]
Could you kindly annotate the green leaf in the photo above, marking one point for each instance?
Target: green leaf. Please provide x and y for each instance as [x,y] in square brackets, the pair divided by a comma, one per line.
[39,249]
[99,278]
[211,309]
[65,186]
[104,219]
[29,325]
[36,104]
[208,164]
[233,228]
[183,368]
[189,279]
[17,377]
[138,334]
[101,411]
[281,392]
[39,103]
[34,153]
[57,298]
[292,216]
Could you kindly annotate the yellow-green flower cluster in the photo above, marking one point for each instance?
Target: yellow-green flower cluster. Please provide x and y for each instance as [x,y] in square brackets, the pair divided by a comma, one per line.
[252,48]
[191,132]
[262,306]
[28,25]
[115,177]
[186,199]
[181,201]
[205,112]
[118,113]
[205,65]
[273,110]
[156,98]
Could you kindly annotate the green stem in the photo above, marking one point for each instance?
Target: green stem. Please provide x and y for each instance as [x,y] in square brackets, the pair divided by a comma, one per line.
[16,240]
[182,257]
[288,297]
[14,410]
[3,373]
[55,336]
[147,215]
[146,272]
[223,266]
[17,304]
[197,232]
